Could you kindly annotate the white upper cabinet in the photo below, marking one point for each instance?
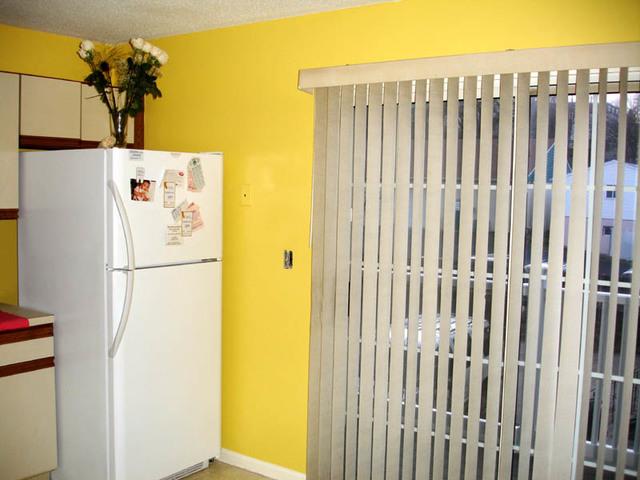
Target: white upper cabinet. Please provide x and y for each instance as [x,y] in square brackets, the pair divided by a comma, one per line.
[49,107]
[9,100]
[95,117]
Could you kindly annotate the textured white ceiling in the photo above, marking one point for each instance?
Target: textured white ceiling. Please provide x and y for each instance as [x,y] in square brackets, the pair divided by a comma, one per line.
[118,20]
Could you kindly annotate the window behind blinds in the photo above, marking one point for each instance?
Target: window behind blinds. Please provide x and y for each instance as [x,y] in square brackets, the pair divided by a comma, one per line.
[476,278]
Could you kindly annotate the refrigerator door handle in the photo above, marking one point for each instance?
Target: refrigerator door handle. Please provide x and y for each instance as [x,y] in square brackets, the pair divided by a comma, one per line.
[129,271]
[124,221]
[124,316]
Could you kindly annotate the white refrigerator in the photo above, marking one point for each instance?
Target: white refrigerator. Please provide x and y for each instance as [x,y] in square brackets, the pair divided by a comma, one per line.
[125,248]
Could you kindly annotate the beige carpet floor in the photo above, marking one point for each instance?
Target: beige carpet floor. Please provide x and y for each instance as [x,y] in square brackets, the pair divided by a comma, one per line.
[216,471]
[222,471]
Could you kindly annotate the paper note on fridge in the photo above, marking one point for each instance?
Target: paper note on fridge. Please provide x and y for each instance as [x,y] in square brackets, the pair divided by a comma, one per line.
[177,212]
[174,235]
[174,176]
[195,175]
[136,155]
[169,195]
[196,222]
[187,223]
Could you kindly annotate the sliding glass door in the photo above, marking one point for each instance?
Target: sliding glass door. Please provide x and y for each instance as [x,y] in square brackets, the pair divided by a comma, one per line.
[476,278]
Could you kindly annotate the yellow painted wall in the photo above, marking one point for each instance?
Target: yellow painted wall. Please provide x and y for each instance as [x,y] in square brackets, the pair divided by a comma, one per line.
[40,53]
[8,262]
[234,90]
[37,53]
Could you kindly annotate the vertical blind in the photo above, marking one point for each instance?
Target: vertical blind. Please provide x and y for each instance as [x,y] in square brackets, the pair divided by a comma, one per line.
[475,277]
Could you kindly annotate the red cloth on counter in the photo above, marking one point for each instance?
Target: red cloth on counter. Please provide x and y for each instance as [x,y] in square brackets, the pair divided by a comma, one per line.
[8,321]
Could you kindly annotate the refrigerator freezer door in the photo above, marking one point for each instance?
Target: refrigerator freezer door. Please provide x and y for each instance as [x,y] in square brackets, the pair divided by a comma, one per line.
[166,374]
[159,237]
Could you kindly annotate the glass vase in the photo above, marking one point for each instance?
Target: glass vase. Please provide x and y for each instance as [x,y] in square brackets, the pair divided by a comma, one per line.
[118,127]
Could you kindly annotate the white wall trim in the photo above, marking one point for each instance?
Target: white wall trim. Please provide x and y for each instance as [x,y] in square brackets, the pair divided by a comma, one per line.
[276,472]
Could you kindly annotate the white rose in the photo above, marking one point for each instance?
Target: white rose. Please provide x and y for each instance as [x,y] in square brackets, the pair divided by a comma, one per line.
[82,54]
[146,47]
[155,51]
[163,58]
[137,43]
[87,45]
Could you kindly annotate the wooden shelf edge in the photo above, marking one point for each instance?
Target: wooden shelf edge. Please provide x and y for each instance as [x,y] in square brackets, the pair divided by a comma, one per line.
[33,142]
[48,143]
[8,213]
[26,367]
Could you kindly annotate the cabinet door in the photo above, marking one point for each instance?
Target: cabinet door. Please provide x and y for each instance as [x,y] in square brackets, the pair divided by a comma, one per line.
[95,117]
[49,107]
[9,101]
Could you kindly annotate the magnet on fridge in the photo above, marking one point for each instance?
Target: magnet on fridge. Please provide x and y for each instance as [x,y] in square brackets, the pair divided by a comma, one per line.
[136,155]
[174,176]
[139,174]
[176,212]
[187,223]
[195,176]
[196,223]
[142,191]
[169,195]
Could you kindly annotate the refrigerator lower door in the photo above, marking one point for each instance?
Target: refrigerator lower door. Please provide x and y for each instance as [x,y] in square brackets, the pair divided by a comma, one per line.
[165,396]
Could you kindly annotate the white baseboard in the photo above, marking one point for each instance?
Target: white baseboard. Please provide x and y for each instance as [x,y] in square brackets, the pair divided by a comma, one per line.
[276,472]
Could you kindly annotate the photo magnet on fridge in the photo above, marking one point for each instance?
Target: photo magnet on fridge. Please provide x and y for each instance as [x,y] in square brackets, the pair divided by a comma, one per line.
[142,191]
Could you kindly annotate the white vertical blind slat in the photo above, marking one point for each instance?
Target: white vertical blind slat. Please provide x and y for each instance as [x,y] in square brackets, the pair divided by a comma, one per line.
[430,282]
[594,270]
[516,259]
[502,213]
[615,271]
[389,133]
[553,300]
[464,275]
[317,265]
[355,282]
[414,279]
[329,282]
[370,278]
[399,306]
[631,334]
[448,237]
[571,316]
[343,241]
[480,277]
[535,295]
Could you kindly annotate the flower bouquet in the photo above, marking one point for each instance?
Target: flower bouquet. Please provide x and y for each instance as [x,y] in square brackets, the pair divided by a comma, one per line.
[123,75]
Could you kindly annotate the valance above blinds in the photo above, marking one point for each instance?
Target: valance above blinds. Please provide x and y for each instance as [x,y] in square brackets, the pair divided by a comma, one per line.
[475,273]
